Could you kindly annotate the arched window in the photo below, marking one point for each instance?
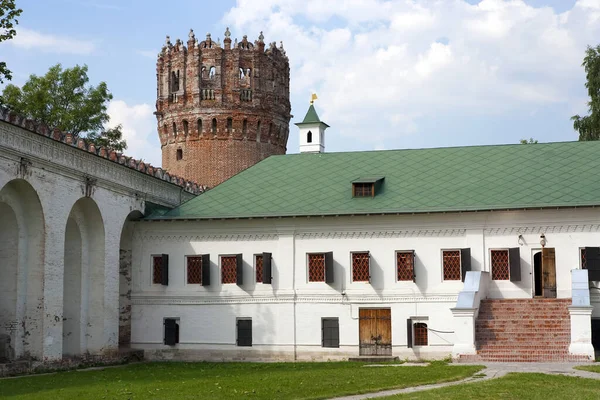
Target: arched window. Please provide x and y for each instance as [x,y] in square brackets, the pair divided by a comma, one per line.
[309,137]
[229,125]
[214,126]
[179,154]
[212,72]
[174,81]
[420,331]
[258,132]
[199,127]
[174,129]
[245,127]
[242,73]
[203,72]
[186,127]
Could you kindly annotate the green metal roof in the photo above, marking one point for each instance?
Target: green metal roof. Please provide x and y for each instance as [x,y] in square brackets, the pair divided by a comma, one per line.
[311,117]
[416,181]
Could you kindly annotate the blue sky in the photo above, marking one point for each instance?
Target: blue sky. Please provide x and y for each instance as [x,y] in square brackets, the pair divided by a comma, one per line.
[389,73]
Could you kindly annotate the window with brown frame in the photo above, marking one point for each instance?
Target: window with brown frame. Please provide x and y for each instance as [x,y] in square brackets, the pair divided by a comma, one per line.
[316,267]
[228,269]
[451,264]
[420,334]
[258,263]
[405,265]
[500,265]
[194,270]
[361,267]
[363,189]
[157,263]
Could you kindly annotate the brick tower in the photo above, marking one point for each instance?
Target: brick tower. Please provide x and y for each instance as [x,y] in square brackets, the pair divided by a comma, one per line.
[221,109]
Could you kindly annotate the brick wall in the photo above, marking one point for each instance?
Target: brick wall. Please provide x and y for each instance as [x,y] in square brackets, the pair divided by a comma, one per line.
[220,109]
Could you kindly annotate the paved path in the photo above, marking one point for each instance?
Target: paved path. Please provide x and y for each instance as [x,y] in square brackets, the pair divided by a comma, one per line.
[492,371]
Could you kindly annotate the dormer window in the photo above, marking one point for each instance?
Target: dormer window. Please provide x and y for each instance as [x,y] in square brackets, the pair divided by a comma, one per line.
[366,187]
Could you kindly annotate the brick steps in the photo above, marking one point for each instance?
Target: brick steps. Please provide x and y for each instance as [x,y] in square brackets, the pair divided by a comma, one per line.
[523,330]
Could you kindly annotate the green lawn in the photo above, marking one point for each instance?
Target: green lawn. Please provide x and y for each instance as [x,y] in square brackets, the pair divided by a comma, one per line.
[590,368]
[227,381]
[516,386]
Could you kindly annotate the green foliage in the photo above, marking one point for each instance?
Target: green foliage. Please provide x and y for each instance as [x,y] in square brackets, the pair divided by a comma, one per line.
[515,386]
[8,19]
[64,99]
[531,141]
[589,126]
[228,381]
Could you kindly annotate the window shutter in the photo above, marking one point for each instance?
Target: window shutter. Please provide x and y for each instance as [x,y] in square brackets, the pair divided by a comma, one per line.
[409,340]
[164,274]
[514,261]
[170,338]
[239,273]
[465,262]
[592,256]
[329,267]
[205,269]
[267,278]
[244,334]
[413,267]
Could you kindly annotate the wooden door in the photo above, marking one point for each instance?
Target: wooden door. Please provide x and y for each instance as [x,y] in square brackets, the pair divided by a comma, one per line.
[375,332]
[549,273]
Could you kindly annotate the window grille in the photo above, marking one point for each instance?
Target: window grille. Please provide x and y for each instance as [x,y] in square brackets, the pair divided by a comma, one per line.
[194,270]
[228,269]
[451,261]
[360,267]
[420,334]
[157,269]
[405,265]
[500,265]
[363,189]
[583,258]
[258,261]
[316,267]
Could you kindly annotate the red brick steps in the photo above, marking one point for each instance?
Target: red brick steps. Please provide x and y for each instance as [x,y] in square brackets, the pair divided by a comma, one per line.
[523,330]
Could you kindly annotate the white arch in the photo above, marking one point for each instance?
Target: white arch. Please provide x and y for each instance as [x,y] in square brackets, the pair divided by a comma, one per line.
[22,268]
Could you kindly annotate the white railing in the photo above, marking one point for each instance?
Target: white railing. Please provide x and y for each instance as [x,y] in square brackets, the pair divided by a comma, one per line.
[466,311]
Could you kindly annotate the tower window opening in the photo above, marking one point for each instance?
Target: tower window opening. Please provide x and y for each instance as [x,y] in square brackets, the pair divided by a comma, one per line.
[179,155]
[186,127]
[242,73]
[212,72]
[199,127]
[165,130]
[309,137]
[258,132]
[214,126]
[174,81]
[203,72]
[174,129]
[245,127]
[229,125]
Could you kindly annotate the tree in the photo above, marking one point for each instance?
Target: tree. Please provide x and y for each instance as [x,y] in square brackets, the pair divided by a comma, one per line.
[531,141]
[589,125]
[63,99]
[8,19]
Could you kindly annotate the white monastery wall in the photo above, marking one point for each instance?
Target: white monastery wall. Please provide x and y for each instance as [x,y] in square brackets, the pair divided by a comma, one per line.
[286,315]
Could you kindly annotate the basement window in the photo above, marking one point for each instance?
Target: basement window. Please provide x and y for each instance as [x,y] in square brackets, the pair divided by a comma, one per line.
[171,331]
[244,332]
[330,332]
[367,187]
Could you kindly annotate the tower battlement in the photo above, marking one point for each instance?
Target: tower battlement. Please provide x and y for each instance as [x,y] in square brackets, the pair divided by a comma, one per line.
[221,108]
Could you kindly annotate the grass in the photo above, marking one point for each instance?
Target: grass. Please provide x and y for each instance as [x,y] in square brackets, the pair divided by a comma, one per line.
[515,386]
[590,368]
[228,380]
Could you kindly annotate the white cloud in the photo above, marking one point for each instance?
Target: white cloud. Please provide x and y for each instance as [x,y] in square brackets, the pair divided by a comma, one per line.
[29,39]
[369,58]
[139,130]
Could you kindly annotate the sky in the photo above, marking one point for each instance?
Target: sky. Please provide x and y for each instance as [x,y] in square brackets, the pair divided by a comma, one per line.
[389,74]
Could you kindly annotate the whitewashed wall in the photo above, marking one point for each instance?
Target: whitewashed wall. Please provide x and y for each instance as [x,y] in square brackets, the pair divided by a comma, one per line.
[287,314]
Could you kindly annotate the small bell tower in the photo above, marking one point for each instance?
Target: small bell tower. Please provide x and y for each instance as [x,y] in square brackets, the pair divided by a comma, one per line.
[312,131]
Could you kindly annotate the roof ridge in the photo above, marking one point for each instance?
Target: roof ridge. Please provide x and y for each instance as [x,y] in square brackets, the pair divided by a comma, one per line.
[83,144]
